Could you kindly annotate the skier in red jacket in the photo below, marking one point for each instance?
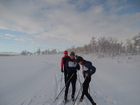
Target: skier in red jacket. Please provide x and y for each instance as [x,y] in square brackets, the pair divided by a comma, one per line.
[63,64]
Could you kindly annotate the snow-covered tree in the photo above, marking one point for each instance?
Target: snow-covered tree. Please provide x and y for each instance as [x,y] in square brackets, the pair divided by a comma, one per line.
[38,51]
[93,45]
[24,52]
[53,51]
[136,44]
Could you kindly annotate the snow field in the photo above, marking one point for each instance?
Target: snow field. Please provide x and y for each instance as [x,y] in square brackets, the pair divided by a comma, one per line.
[36,80]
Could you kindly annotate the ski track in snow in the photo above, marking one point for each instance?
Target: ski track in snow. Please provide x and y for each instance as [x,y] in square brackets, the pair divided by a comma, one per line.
[36,97]
[41,87]
[97,95]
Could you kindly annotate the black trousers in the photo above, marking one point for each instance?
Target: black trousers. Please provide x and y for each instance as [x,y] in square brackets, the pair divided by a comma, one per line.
[85,90]
[65,76]
[73,82]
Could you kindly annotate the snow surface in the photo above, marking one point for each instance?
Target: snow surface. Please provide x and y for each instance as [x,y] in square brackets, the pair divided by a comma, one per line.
[36,80]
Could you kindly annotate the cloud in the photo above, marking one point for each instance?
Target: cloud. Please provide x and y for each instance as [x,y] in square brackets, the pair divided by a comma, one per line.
[70,22]
[8,35]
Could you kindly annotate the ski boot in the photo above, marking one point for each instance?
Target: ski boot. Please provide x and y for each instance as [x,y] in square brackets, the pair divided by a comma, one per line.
[81,99]
[93,103]
[65,100]
[72,97]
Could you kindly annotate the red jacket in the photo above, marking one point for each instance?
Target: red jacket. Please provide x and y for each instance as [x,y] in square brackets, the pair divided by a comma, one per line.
[63,61]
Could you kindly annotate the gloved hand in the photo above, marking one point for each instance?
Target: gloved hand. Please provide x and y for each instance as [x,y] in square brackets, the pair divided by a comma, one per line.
[62,70]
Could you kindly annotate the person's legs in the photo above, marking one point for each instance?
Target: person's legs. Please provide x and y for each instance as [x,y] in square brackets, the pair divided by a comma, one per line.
[86,87]
[73,81]
[90,98]
[85,91]
[67,86]
[65,76]
[82,96]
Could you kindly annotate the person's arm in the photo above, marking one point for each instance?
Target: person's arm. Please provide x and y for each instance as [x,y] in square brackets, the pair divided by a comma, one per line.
[92,70]
[78,67]
[62,64]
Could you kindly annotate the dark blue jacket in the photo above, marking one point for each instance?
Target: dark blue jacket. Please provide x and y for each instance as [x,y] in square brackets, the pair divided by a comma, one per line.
[71,67]
[91,69]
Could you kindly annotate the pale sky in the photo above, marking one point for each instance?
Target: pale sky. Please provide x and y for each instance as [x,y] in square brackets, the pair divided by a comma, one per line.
[48,24]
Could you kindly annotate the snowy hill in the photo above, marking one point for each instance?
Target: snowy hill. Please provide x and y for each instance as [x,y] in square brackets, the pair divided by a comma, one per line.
[36,80]
[8,54]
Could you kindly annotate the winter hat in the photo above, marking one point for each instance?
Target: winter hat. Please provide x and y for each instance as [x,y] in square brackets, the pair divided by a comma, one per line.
[72,54]
[79,59]
[65,52]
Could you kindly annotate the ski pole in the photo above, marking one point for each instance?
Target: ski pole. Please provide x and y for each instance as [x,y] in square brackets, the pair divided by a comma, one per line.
[63,88]
[89,88]
[61,78]
[78,92]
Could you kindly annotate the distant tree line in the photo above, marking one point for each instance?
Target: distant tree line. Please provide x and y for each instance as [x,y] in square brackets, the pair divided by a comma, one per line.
[39,52]
[109,46]
[104,46]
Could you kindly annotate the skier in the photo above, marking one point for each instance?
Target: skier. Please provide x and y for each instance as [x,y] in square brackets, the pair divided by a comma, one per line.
[88,70]
[71,66]
[63,64]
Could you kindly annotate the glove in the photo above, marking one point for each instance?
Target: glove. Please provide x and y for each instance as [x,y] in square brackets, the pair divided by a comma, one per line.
[62,70]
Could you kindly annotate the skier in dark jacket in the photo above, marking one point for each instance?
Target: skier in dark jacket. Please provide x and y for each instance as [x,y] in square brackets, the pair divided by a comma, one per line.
[88,70]
[63,65]
[71,66]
